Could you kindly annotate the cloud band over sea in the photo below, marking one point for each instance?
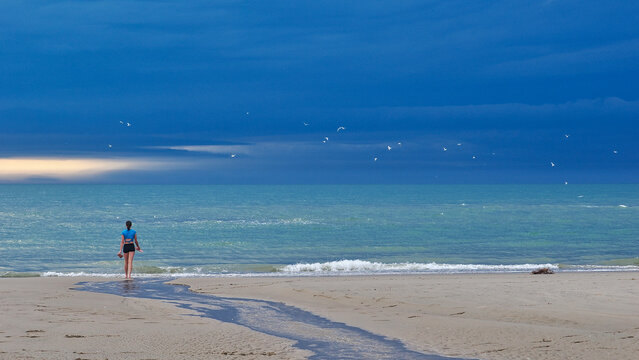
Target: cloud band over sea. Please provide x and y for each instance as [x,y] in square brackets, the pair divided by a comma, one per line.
[65,169]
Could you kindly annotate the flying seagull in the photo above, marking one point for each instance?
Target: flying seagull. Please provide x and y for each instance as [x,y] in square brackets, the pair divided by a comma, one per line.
[552,164]
[388,147]
[341,128]
[305,124]
[444,148]
[233,155]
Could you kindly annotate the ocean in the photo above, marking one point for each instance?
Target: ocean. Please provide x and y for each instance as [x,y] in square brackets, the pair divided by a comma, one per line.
[256,230]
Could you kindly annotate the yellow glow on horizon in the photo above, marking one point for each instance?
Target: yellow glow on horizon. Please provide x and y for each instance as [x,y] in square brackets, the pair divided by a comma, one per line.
[67,168]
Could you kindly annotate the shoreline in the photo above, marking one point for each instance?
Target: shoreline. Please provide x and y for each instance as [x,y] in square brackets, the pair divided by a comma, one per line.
[567,315]
[171,274]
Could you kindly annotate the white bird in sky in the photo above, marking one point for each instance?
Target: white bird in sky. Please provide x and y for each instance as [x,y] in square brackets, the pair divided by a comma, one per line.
[110,146]
[388,147]
[474,157]
[128,124]
[615,151]
[325,139]
[233,155]
[247,113]
[399,143]
[458,144]
[552,164]
[444,148]
[375,159]
[305,124]
[565,182]
[341,128]
[567,135]
[121,122]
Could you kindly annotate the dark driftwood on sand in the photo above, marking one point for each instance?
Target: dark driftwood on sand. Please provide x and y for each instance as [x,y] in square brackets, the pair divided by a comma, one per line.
[543,271]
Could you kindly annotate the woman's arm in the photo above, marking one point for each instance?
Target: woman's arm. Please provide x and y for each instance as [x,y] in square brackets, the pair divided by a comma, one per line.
[135,238]
[121,244]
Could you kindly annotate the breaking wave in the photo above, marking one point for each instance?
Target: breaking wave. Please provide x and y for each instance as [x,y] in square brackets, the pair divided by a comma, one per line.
[362,266]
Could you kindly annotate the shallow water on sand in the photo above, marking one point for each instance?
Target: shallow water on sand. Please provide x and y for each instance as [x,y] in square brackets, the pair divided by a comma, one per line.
[325,338]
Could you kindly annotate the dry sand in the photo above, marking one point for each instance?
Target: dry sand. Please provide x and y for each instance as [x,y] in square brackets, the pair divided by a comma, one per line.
[486,316]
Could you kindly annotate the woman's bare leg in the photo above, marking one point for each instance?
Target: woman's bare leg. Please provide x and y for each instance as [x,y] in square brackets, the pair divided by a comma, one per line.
[126,265]
[130,261]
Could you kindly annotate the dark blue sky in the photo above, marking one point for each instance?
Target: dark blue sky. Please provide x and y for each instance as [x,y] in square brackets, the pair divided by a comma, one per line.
[201,80]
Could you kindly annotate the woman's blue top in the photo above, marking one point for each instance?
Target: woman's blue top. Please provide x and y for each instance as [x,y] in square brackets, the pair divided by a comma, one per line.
[129,235]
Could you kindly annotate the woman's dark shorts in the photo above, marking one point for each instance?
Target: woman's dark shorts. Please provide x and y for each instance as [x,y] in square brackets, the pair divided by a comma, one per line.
[128,247]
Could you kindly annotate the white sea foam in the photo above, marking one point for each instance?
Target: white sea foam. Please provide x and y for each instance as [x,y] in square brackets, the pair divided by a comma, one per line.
[361,266]
[163,275]
[121,275]
[591,268]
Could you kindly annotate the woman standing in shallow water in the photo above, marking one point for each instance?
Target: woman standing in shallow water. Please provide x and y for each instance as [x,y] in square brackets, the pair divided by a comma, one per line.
[129,237]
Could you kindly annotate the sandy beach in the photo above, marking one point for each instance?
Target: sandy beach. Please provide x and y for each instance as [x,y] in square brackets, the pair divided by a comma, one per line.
[40,318]
[485,316]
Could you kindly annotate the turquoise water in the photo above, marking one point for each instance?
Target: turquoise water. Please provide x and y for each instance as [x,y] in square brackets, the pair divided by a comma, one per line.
[228,229]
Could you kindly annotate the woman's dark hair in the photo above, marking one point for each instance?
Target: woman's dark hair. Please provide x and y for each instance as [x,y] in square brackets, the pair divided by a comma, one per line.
[128,224]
